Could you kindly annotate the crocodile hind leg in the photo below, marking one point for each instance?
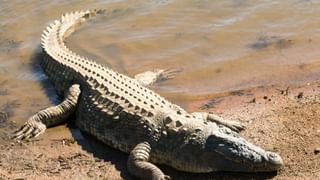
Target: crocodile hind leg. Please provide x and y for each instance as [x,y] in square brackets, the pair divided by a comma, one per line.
[234,125]
[139,166]
[51,116]
[150,77]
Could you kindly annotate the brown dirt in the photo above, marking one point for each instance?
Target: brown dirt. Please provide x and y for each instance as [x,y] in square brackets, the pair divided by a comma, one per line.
[283,121]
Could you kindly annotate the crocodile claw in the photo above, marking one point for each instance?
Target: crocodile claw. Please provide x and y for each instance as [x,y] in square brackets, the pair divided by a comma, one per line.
[169,73]
[29,130]
[150,77]
[236,126]
[233,125]
[163,177]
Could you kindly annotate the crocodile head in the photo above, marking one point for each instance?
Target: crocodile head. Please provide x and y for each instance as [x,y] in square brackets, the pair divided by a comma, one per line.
[222,150]
[230,152]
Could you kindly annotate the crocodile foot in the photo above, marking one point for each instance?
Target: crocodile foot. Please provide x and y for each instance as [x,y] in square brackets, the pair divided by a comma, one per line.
[150,77]
[234,125]
[30,129]
[169,73]
[164,177]
[139,165]
[210,117]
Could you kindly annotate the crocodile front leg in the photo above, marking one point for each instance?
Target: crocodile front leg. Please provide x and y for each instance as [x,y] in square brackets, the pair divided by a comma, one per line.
[234,125]
[51,116]
[139,166]
[150,77]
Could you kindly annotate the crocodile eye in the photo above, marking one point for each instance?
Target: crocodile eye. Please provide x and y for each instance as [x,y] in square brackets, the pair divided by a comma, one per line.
[216,141]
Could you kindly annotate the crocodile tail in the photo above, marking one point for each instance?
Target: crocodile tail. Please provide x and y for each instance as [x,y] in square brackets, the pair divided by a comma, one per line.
[70,24]
[60,29]
[58,60]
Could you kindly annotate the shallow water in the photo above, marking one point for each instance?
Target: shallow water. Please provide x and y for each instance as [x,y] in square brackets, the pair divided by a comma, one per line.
[221,46]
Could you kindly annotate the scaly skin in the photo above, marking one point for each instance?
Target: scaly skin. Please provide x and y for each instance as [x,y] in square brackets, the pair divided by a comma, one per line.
[123,113]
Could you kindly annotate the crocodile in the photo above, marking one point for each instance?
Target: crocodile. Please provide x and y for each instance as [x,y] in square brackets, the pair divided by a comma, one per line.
[124,113]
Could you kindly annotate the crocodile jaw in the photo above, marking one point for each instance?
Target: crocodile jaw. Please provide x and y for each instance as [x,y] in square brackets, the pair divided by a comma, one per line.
[226,152]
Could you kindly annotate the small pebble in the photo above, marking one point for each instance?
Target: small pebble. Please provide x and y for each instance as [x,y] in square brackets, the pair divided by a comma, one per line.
[253,100]
[316,150]
[300,95]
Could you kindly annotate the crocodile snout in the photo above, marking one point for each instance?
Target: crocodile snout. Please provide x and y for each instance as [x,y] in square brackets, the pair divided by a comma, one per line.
[273,161]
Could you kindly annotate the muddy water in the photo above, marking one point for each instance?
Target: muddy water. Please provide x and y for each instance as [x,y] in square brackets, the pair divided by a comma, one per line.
[221,46]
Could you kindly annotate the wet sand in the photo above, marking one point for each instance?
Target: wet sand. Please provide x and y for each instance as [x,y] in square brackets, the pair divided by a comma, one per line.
[238,58]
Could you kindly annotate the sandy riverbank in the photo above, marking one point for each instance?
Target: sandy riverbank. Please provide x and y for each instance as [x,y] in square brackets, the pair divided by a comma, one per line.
[281,119]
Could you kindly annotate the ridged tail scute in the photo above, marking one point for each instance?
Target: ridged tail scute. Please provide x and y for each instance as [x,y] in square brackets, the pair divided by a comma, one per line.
[62,28]
[61,65]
